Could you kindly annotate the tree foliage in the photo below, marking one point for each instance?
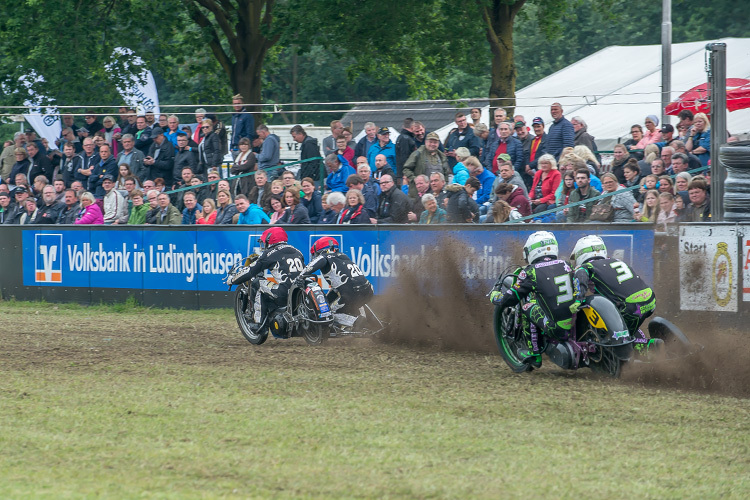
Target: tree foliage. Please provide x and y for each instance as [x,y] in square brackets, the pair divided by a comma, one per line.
[201,51]
[69,42]
[587,28]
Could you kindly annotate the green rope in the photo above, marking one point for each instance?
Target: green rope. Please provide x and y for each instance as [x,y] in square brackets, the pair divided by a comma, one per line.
[589,200]
[187,188]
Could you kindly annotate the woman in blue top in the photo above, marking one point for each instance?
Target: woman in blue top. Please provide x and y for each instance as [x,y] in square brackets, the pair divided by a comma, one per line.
[460,172]
[699,142]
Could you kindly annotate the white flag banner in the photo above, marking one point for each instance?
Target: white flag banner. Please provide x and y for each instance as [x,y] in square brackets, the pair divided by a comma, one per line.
[46,122]
[139,90]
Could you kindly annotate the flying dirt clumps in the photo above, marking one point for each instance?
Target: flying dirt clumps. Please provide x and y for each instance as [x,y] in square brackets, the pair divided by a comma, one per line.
[717,365]
[434,304]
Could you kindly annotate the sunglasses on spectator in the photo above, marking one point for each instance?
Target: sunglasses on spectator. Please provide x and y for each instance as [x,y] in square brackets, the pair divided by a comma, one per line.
[205,127]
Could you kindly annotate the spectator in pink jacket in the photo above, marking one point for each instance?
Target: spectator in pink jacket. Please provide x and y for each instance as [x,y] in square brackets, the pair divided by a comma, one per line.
[90,212]
[652,134]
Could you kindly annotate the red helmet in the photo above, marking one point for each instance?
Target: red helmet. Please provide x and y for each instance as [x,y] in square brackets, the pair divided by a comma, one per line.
[272,236]
[323,244]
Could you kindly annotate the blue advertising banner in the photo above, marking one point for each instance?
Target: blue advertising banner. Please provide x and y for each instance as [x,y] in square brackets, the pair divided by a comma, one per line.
[193,259]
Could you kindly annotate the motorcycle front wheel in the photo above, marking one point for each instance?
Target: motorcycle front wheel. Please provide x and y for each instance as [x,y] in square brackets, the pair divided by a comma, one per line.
[242,301]
[509,338]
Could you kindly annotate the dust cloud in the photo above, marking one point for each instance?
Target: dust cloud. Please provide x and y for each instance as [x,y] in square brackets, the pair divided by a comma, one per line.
[433,306]
[716,364]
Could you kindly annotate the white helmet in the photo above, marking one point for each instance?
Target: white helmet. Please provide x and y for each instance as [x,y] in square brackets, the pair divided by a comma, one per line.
[540,244]
[586,249]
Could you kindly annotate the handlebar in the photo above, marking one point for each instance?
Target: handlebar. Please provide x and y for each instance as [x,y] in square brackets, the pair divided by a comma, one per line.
[508,271]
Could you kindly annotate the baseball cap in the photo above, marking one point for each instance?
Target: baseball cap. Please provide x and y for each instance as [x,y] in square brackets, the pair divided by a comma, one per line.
[433,135]
[384,130]
[667,128]
[537,120]
[519,124]
[157,131]
[20,189]
[108,177]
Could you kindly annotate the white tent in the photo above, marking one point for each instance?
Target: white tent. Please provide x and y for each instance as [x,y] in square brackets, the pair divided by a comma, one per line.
[611,90]
[619,86]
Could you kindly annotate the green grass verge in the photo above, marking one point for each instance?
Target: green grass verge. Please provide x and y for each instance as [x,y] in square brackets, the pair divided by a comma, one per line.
[128,402]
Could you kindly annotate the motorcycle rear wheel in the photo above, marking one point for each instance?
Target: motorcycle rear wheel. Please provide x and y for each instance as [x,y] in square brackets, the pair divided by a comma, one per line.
[605,360]
[609,363]
[509,339]
[313,333]
[241,302]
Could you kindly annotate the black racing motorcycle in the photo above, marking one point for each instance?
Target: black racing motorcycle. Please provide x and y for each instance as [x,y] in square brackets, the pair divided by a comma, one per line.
[307,313]
[599,340]
[366,322]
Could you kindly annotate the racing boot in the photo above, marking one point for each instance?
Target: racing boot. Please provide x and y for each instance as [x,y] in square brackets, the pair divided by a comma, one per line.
[654,348]
[646,348]
[531,355]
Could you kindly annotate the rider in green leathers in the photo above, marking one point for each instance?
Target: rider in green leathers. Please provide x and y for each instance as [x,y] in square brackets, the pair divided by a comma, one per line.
[615,280]
[549,280]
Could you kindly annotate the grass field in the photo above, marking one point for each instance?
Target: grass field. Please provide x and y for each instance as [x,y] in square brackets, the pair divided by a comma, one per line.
[123,402]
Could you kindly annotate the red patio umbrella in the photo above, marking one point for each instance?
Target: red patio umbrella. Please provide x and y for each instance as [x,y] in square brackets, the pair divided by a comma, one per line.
[696,99]
[738,97]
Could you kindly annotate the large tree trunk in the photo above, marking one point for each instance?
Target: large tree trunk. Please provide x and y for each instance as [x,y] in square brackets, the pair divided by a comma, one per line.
[247,72]
[243,25]
[498,18]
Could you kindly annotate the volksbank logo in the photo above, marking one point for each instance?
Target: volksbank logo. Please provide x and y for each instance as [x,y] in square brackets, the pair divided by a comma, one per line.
[48,258]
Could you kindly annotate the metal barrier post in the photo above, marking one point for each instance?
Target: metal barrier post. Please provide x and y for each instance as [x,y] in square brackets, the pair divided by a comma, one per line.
[718,86]
[666,58]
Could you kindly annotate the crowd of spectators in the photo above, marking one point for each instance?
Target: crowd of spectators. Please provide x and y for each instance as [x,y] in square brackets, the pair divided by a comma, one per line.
[154,170]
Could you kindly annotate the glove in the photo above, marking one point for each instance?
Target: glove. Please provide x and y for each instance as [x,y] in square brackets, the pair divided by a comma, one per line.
[494,295]
[228,279]
[575,307]
[299,281]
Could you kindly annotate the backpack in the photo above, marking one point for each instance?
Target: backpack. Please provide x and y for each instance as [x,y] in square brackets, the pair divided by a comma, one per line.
[603,211]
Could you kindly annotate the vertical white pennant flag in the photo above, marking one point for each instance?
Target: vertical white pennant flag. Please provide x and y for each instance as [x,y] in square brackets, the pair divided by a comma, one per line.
[141,96]
[45,122]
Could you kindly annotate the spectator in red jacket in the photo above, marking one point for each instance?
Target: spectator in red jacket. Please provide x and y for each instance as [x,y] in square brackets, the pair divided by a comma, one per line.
[546,181]
[514,196]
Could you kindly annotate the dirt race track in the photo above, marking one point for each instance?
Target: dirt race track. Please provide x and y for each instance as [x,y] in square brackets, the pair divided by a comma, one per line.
[126,402]
[176,404]
[420,328]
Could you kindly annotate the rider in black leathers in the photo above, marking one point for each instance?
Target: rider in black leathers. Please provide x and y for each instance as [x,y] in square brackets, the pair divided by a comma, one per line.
[350,289]
[283,261]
